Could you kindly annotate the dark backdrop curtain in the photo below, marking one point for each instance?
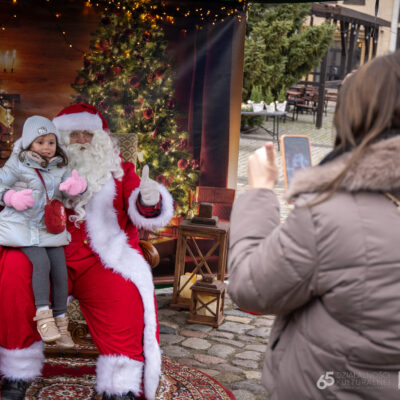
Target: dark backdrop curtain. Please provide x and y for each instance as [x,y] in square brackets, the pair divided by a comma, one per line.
[204,60]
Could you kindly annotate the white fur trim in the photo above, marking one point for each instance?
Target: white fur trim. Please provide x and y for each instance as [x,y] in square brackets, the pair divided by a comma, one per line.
[111,244]
[22,364]
[78,122]
[118,375]
[167,210]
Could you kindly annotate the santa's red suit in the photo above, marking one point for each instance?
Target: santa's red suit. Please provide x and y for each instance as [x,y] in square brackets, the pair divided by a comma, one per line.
[113,284]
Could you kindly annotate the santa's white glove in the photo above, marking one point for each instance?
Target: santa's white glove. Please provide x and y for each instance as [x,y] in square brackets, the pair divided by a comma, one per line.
[148,189]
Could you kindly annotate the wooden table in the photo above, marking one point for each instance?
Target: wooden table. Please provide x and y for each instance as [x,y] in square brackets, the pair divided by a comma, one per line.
[187,245]
[275,115]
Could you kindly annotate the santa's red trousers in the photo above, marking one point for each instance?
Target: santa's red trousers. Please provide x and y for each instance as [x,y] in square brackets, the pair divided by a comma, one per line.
[112,307]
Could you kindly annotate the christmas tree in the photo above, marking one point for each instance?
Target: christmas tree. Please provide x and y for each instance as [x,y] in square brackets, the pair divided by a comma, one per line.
[127,75]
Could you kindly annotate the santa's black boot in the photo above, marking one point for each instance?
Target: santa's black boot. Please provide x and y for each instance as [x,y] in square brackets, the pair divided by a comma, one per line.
[14,390]
[128,396]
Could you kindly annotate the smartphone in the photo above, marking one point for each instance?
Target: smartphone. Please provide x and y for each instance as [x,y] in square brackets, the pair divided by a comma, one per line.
[296,154]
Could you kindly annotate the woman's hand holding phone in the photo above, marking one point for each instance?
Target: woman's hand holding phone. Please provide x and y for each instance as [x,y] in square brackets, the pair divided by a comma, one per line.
[262,169]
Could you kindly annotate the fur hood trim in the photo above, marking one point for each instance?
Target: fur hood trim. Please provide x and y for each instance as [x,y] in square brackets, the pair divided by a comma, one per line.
[377,170]
[22,364]
[105,234]
[167,210]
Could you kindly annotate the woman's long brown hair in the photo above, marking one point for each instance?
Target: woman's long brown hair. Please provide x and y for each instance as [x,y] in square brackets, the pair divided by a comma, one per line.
[368,104]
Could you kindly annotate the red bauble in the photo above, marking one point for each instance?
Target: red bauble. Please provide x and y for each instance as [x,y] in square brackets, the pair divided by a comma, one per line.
[148,113]
[165,146]
[154,134]
[134,81]
[115,70]
[183,163]
[147,36]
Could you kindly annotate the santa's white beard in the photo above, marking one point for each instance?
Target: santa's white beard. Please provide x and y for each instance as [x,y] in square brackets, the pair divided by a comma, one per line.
[97,162]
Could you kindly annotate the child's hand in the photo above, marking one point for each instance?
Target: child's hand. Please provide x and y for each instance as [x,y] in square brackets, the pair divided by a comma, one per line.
[74,184]
[20,200]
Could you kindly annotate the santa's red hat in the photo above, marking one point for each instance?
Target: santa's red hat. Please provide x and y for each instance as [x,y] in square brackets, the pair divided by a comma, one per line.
[80,117]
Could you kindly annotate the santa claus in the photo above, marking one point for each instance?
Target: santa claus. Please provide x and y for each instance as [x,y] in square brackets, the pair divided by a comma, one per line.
[106,269]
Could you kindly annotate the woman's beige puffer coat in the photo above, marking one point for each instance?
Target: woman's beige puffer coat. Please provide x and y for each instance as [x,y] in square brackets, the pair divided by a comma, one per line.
[331,274]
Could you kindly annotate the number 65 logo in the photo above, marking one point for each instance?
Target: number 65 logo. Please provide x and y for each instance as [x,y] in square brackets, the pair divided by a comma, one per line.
[325,380]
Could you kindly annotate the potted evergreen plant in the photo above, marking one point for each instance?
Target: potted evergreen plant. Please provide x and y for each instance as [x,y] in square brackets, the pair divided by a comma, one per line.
[281,100]
[269,101]
[256,98]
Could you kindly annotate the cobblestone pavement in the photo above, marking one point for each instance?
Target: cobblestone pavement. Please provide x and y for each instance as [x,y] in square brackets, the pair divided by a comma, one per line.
[233,353]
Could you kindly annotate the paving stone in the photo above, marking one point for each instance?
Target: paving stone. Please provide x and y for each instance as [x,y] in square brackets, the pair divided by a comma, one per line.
[248,355]
[163,302]
[206,359]
[242,320]
[166,339]
[227,377]
[245,363]
[199,327]
[180,317]
[251,339]
[191,363]
[234,327]
[210,372]
[253,375]
[168,328]
[251,386]
[243,395]
[263,322]
[230,368]
[235,343]
[175,351]
[221,350]
[239,313]
[256,347]
[195,334]
[260,332]
[166,313]
[226,335]
[197,344]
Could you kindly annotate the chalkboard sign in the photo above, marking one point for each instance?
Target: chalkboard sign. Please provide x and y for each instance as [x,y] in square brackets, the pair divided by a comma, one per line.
[296,154]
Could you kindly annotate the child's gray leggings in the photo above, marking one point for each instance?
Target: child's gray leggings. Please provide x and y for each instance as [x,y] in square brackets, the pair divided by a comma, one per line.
[49,262]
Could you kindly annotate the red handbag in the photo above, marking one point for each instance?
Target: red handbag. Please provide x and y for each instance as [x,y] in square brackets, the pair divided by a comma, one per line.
[55,217]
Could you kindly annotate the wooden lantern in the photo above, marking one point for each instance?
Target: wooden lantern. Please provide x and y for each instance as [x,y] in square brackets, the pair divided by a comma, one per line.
[188,248]
[207,302]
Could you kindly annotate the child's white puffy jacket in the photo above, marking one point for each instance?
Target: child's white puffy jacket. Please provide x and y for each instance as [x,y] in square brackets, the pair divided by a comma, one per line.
[27,228]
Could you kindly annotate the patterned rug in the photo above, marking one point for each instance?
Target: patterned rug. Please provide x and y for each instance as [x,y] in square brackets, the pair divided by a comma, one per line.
[72,378]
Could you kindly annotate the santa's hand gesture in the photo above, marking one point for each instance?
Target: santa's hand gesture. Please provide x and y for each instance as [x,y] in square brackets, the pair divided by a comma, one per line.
[74,185]
[150,195]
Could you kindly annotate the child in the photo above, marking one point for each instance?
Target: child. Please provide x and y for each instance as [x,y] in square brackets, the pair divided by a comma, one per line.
[22,220]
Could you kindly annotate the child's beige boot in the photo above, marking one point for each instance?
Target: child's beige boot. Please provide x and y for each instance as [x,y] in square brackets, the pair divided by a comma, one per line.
[65,341]
[46,326]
